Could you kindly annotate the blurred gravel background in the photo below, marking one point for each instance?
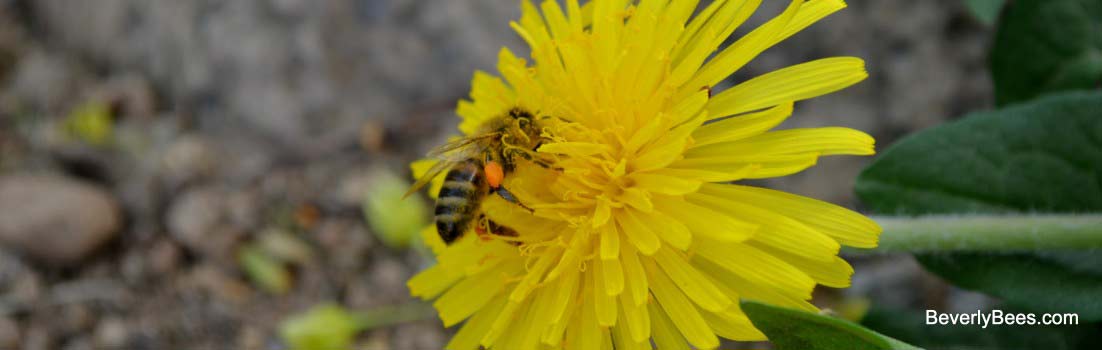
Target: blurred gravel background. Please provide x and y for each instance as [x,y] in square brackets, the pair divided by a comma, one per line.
[236,122]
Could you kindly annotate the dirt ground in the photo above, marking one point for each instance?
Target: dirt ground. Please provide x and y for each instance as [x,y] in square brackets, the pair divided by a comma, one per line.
[233,122]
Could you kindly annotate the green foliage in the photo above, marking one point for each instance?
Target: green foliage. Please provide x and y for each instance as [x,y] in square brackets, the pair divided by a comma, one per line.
[395,220]
[1030,281]
[90,122]
[266,271]
[326,326]
[987,11]
[1041,156]
[910,326]
[1045,46]
[790,329]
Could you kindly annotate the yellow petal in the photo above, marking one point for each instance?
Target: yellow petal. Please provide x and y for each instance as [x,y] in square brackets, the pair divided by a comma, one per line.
[634,318]
[797,16]
[500,325]
[472,293]
[604,303]
[635,279]
[776,230]
[639,234]
[716,23]
[610,243]
[471,333]
[574,149]
[611,275]
[666,335]
[535,274]
[691,281]
[556,19]
[659,183]
[638,199]
[846,226]
[431,282]
[733,324]
[742,126]
[590,333]
[622,339]
[799,82]
[706,222]
[750,167]
[825,141]
[553,336]
[741,51]
[680,310]
[736,284]
[670,230]
[835,273]
[756,266]
[711,173]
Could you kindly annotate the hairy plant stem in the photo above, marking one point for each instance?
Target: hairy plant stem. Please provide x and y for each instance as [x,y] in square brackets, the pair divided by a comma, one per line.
[1004,233]
[393,314]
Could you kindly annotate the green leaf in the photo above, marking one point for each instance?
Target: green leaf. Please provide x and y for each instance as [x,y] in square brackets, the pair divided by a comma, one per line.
[394,220]
[326,326]
[800,330]
[1044,46]
[264,270]
[987,11]
[1036,283]
[910,326]
[91,122]
[1042,156]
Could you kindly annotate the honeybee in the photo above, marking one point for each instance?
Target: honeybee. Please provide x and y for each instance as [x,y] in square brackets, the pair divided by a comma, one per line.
[476,166]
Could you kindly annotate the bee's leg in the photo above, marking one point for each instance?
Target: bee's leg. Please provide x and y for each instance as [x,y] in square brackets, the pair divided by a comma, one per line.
[531,156]
[508,196]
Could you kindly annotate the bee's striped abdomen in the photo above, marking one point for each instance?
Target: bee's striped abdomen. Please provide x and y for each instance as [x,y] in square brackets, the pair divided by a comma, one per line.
[458,200]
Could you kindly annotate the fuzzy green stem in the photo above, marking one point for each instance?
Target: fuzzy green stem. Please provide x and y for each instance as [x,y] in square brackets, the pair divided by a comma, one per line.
[393,314]
[990,232]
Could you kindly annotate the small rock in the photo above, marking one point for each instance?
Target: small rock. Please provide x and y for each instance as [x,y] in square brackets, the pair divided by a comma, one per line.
[222,286]
[199,219]
[352,187]
[74,319]
[79,343]
[250,338]
[26,289]
[164,257]
[56,220]
[9,334]
[418,335]
[111,333]
[188,159]
[134,267]
[346,242]
[38,338]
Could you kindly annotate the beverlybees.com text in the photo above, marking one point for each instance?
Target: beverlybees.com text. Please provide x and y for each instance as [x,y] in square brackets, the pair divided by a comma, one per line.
[998,317]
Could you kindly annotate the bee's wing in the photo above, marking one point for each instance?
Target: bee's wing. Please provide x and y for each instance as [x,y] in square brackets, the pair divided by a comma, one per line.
[446,150]
[434,171]
[449,154]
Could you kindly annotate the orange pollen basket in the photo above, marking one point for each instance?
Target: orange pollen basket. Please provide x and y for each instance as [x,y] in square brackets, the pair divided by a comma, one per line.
[494,174]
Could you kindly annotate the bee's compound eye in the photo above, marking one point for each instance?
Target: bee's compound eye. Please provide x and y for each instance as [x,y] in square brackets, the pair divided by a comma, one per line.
[494,174]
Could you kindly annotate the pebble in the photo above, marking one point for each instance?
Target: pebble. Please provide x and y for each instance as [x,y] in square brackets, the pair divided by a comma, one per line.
[111,333]
[189,158]
[56,220]
[199,220]
[9,334]
[164,257]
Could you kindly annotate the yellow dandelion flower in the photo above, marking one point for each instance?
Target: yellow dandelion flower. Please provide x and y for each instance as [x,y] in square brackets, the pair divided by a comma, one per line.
[634,236]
